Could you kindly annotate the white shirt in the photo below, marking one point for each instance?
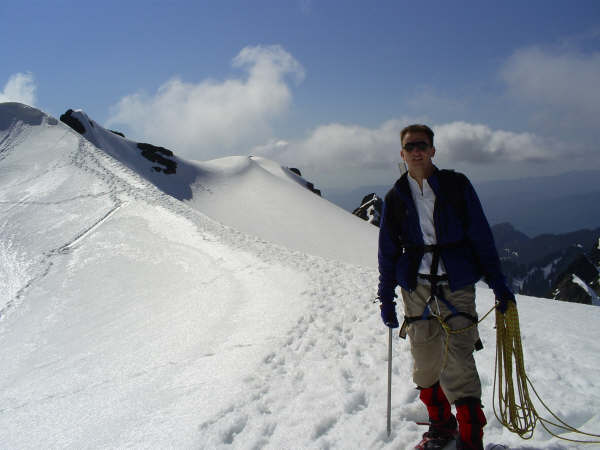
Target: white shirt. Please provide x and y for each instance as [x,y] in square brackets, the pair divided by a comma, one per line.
[425,201]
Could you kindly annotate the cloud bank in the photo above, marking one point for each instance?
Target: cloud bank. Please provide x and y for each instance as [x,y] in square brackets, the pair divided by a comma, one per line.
[19,88]
[235,116]
[480,144]
[333,147]
[210,118]
[337,146]
[558,89]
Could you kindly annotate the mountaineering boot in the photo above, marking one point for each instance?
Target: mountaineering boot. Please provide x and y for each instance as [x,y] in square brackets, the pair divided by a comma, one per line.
[438,436]
[471,421]
[442,424]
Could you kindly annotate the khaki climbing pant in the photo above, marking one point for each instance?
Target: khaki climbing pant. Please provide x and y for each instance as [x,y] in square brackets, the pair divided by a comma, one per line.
[458,376]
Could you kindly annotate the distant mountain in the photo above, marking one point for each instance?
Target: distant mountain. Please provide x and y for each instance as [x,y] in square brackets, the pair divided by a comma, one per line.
[579,283]
[530,250]
[536,205]
[557,259]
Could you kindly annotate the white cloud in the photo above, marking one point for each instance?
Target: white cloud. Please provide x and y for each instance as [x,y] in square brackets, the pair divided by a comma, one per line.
[479,144]
[561,84]
[210,119]
[19,88]
[334,147]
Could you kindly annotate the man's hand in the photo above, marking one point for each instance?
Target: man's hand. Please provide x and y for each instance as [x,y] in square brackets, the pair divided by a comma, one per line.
[502,304]
[388,314]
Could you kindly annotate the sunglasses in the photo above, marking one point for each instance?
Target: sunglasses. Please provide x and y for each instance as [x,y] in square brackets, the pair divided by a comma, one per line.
[410,146]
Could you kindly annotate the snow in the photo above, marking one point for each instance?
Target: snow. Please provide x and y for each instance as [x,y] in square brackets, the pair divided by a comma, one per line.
[235,190]
[236,312]
[547,270]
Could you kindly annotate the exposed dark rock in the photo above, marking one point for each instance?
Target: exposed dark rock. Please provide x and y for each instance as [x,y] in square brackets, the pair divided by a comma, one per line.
[311,187]
[370,209]
[117,132]
[158,155]
[73,122]
[154,149]
[594,255]
[570,284]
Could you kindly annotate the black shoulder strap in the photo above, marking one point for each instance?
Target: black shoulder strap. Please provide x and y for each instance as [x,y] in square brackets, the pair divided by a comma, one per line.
[452,185]
[395,211]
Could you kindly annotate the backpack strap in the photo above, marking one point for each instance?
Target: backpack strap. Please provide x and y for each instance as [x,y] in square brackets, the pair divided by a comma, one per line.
[452,187]
[395,212]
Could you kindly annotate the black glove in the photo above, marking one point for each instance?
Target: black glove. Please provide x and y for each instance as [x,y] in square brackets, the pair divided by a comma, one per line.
[388,314]
[502,304]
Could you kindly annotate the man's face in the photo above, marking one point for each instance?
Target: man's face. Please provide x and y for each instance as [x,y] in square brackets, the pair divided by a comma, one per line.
[417,159]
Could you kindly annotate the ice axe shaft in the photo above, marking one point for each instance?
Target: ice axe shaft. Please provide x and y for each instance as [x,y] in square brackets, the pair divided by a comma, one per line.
[389,390]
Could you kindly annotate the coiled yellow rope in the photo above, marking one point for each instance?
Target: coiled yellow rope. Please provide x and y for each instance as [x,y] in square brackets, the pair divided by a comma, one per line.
[518,414]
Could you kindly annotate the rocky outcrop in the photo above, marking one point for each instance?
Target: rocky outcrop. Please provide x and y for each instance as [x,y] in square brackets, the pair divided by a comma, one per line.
[310,186]
[159,155]
[73,122]
[579,283]
[370,209]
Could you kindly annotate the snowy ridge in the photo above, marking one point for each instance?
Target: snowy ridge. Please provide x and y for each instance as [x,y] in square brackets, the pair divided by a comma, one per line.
[157,326]
[233,189]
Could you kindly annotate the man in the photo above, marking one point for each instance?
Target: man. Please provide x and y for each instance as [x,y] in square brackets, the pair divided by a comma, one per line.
[436,243]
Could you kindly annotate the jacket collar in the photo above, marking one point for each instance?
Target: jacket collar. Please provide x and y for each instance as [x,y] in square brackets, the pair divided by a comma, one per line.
[403,188]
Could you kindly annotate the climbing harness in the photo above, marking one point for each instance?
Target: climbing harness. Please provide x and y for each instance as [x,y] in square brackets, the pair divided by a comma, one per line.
[436,295]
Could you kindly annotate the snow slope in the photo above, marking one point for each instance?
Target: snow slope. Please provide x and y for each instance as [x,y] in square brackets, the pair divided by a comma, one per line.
[247,192]
[131,319]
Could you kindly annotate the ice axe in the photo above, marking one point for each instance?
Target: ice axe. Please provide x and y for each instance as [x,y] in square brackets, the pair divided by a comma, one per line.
[389,390]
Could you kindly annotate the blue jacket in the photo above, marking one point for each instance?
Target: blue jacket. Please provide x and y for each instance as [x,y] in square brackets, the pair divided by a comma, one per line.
[466,242]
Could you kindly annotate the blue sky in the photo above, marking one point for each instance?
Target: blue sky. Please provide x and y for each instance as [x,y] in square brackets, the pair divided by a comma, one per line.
[511,88]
